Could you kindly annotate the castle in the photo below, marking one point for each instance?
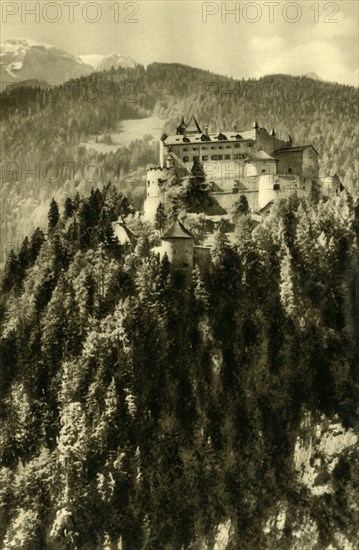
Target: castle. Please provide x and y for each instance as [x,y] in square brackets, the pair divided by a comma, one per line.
[252,162]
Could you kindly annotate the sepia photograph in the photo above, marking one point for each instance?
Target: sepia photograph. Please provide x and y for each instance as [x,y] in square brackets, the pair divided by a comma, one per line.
[179,275]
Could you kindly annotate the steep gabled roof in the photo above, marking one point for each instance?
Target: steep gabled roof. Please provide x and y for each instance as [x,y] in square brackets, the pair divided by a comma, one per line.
[176,231]
[182,124]
[295,149]
[193,127]
[260,155]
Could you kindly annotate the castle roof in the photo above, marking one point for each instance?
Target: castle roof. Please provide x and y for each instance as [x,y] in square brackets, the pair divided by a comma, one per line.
[295,149]
[182,125]
[176,231]
[192,127]
[260,155]
[244,135]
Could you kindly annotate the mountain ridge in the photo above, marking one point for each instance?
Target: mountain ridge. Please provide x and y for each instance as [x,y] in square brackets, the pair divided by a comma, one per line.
[26,59]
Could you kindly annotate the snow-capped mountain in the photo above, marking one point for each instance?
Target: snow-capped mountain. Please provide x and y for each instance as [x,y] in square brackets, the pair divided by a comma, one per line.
[24,59]
[105,62]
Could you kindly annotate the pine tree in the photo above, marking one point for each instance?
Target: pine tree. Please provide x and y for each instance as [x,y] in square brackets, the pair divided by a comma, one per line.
[242,207]
[11,272]
[161,217]
[68,208]
[53,215]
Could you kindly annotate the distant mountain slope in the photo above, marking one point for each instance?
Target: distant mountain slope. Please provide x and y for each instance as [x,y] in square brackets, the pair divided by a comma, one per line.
[106,62]
[23,59]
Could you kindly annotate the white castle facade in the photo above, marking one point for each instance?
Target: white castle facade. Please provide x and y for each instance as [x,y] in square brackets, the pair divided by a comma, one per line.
[252,162]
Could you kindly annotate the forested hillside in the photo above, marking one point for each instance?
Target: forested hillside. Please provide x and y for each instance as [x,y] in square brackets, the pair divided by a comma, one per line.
[42,129]
[137,412]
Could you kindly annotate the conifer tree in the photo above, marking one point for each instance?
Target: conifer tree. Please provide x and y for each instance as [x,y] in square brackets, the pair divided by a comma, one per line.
[242,207]
[53,215]
[10,272]
[161,217]
[68,208]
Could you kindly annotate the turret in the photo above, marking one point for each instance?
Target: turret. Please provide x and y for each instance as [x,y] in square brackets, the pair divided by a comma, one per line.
[181,128]
[155,180]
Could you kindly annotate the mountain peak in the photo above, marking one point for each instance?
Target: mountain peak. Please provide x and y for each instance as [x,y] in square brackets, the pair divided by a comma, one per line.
[106,62]
[27,59]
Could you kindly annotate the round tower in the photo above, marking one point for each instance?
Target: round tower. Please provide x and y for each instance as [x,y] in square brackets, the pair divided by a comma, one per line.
[155,181]
[177,244]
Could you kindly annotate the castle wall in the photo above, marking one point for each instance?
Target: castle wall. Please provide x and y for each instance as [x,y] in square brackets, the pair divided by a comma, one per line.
[209,151]
[227,201]
[310,166]
[201,256]
[267,142]
[258,167]
[225,172]
[267,190]
[154,191]
[290,163]
[150,208]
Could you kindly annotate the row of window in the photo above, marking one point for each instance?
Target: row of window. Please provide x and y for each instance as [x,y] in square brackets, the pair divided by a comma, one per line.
[205,158]
[236,146]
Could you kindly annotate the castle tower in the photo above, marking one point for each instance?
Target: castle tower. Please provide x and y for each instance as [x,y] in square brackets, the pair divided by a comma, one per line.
[177,243]
[156,178]
[181,128]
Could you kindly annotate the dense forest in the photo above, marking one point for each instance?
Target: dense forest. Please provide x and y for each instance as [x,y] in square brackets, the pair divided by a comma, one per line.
[43,129]
[138,411]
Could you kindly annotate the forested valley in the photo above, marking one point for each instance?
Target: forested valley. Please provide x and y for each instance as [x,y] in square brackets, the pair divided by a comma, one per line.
[138,411]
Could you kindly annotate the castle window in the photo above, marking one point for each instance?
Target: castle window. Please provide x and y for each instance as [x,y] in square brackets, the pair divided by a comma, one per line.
[148,183]
[205,157]
[204,148]
[249,144]
[220,147]
[228,147]
[237,145]
[185,159]
[185,148]
[276,187]
[227,157]
[170,149]
[289,170]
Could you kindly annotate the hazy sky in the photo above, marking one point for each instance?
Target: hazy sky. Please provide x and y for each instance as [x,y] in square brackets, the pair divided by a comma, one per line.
[260,38]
